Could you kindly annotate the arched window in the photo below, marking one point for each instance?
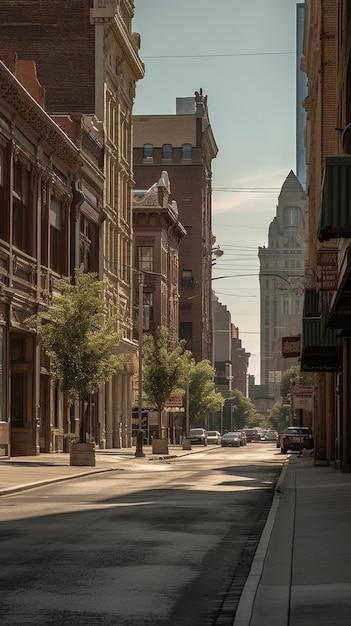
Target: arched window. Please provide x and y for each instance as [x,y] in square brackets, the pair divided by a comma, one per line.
[167,151]
[148,151]
[186,152]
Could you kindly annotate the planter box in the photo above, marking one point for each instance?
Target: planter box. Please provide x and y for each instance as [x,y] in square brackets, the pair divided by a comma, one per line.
[186,444]
[159,446]
[82,454]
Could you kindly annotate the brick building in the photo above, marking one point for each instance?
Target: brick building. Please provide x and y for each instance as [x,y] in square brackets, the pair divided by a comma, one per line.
[184,145]
[326,330]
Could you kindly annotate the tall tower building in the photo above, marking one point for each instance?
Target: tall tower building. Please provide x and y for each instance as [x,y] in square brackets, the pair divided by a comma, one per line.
[281,281]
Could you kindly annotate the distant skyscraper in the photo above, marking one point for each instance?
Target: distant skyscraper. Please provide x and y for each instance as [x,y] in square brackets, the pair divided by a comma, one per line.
[301,93]
[281,281]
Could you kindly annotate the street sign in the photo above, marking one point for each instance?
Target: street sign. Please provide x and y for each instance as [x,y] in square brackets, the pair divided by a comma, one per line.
[304,390]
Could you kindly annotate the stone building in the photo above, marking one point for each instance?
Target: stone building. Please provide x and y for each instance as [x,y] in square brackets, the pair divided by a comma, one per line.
[282,264]
[44,199]
[88,61]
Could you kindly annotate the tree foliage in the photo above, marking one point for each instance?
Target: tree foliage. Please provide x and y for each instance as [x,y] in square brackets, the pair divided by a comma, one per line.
[238,411]
[294,374]
[278,416]
[203,397]
[164,371]
[77,336]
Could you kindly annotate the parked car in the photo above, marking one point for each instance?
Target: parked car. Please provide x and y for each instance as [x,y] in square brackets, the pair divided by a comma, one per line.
[295,438]
[252,434]
[213,436]
[270,435]
[231,439]
[198,436]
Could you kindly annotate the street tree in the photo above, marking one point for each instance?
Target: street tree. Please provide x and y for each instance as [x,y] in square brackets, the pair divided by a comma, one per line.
[203,397]
[279,416]
[79,339]
[238,410]
[164,370]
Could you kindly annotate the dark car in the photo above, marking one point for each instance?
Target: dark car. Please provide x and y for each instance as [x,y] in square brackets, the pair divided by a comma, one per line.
[198,436]
[295,438]
[252,434]
[231,439]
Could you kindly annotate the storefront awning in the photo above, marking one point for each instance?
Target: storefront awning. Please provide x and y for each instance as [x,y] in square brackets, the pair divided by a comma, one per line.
[335,214]
[340,306]
[321,352]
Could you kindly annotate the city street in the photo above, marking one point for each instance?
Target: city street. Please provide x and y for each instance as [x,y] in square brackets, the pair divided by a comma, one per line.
[155,542]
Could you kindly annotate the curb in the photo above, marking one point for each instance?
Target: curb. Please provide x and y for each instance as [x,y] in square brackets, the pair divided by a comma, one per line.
[244,611]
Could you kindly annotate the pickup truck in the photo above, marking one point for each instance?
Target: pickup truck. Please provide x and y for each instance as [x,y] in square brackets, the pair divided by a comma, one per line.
[295,438]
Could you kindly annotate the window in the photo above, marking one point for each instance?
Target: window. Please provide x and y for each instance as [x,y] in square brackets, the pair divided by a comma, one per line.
[148,309]
[57,247]
[22,214]
[167,151]
[291,216]
[17,400]
[186,333]
[89,244]
[4,211]
[148,151]
[146,258]
[187,278]
[186,152]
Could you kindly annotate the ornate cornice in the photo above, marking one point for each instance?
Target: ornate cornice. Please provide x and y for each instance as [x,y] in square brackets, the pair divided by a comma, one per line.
[22,105]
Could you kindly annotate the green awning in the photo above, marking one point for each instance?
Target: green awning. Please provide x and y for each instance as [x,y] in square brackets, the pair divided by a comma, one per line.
[340,307]
[335,214]
[321,352]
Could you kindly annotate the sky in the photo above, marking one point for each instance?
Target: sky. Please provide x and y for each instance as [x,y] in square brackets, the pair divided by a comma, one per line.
[242,54]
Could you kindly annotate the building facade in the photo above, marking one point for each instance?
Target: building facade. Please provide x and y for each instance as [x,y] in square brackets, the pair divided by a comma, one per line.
[326,318]
[184,144]
[88,61]
[157,236]
[40,172]
[282,266]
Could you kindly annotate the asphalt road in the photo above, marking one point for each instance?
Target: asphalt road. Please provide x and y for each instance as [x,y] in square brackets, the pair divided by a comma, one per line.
[164,543]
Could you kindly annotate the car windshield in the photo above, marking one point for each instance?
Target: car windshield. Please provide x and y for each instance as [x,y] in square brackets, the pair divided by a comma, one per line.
[196,431]
[211,433]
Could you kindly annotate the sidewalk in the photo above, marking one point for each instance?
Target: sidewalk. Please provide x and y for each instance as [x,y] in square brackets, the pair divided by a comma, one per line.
[24,472]
[301,574]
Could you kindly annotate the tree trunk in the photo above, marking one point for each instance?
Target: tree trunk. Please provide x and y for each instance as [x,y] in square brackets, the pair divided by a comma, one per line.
[84,421]
[159,426]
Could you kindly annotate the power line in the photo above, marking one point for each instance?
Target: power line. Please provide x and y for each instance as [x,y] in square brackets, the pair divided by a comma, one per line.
[246,189]
[213,56]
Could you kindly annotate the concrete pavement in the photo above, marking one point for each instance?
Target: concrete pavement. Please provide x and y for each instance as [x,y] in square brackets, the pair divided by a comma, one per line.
[25,472]
[301,573]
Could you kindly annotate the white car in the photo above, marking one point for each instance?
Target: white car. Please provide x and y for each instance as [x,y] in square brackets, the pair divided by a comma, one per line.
[213,436]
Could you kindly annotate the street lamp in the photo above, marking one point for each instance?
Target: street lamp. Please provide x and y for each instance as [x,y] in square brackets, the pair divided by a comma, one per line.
[139,439]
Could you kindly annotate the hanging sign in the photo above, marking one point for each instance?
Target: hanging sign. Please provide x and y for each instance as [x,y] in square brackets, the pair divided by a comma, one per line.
[327,263]
[291,347]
